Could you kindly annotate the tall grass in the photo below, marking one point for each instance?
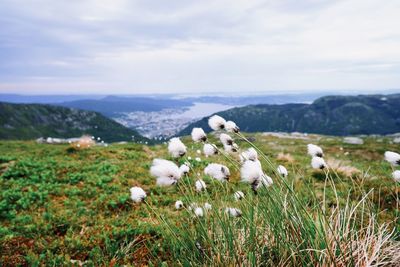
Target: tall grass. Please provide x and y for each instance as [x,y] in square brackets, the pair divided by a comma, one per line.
[278,227]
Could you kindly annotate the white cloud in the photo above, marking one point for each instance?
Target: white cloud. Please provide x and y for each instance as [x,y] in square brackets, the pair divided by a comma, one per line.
[174,46]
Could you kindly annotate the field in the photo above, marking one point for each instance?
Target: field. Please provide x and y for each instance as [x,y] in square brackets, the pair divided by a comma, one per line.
[60,205]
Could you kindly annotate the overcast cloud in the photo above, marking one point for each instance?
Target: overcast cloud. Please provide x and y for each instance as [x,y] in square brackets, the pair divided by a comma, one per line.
[117,46]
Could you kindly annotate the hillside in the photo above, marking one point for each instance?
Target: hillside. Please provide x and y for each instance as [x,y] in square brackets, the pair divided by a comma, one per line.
[112,105]
[58,207]
[333,115]
[30,121]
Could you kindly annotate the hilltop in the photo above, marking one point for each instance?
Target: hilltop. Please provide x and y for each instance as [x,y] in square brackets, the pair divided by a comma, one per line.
[332,115]
[30,121]
[59,206]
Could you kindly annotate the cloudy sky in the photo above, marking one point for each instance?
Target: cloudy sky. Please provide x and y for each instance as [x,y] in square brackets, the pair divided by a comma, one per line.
[118,46]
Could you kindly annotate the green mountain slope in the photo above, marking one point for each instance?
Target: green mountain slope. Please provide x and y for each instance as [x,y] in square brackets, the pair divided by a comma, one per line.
[333,115]
[29,121]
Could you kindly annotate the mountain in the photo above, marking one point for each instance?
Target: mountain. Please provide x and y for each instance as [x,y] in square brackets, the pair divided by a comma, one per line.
[112,105]
[332,115]
[243,100]
[30,121]
[44,99]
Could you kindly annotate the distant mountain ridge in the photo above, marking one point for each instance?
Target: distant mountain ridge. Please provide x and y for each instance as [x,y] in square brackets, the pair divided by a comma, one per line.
[331,115]
[112,105]
[30,121]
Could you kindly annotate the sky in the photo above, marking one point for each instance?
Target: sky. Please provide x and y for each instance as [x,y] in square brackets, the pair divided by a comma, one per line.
[207,46]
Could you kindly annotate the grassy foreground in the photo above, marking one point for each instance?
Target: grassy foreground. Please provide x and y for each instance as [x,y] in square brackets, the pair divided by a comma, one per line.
[62,206]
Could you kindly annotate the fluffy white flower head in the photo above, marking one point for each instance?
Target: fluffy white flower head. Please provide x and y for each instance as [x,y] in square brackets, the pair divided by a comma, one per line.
[198,135]
[231,126]
[137,194]
[231,148]
[238,195]
[318,163]
[176,148]
[166,172]
[282,170]
[225,139]
[314,151]
[233,212]
[198,212]
[209,150]
[184,169]
[217,171]
[207,206]
[396,176]
[249,154]
[178,204]
[265,181]
[216,122]
[251,171]
[200,185]
[392,157]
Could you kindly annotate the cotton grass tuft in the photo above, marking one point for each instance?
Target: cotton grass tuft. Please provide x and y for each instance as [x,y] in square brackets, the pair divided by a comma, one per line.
[216,122]
[393,158]
[314,151]
[282,171]
[217,171]
[200,185]
[396,176]
[231,126]
[318,163]
[233,212]
[176,148]
[178,205]
[209,150]
[137,194]
[238,195]
[198,135]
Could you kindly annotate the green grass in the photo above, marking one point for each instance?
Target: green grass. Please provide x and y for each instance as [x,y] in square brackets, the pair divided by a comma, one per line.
[59,204]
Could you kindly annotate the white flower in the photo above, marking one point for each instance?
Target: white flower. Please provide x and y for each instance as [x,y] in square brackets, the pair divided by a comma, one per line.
[198,135]
[231,148]
[198,151]
[184,169]
[166,172]
[207,206]
[314,151]
[396,176]
[217,171]
[137,194]
[251,171]
[178,204]
[265,180]
[216,122]
[225,139]
[200,185]
[176,148]
[230,126]
[249,154]
[318,163]
[392,157]
[198,159]
[282,170]
[198,212]
[238,195]
[209,150]
[233,212]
